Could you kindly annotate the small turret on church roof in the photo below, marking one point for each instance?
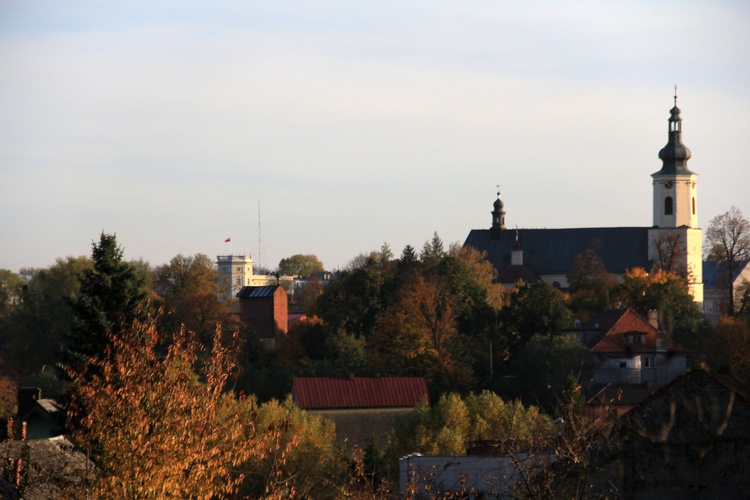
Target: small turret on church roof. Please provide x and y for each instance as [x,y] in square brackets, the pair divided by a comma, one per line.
[675,154]
[498,215]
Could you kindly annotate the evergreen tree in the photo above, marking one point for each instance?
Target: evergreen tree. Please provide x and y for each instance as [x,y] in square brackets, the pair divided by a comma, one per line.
[432,251]
[112,295]
[408,260]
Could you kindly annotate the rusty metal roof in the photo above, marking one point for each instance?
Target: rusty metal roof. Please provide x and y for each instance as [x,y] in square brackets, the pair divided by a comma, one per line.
[317,393]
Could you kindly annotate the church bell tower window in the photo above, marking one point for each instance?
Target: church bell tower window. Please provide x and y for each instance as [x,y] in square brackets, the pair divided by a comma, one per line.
[668,206]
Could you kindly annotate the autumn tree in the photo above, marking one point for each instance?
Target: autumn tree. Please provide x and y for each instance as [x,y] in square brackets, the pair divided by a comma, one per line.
[8,397]
[728,241]
[548,365]
[112,295]
[297,456]
[39,320]
[10,286]
[669,252]
[418,335]
[188,290]
[669,295]
[300,265]
[156,427]
[532,309]
[469,277]
[728,348]
[353,301]
[447,427]
[590,284]
[478,270]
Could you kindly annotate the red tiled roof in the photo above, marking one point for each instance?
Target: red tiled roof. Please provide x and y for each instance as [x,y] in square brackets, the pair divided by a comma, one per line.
[317,393]
[619,325]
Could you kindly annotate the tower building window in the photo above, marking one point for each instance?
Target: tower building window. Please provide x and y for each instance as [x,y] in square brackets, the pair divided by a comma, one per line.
[693,205]
[668,206]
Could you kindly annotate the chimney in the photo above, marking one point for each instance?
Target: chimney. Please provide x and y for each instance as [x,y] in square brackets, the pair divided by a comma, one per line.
[653,318]
[27,398]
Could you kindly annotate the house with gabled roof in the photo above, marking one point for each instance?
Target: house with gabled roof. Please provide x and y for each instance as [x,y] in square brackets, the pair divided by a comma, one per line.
[689,439]
[361,407]
[629,349]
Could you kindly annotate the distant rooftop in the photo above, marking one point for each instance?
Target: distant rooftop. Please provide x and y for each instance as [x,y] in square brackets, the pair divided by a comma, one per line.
[317,393]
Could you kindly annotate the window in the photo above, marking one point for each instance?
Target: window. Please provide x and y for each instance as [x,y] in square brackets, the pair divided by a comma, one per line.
[668,205]
[635,338]
[647,362]
[693,205]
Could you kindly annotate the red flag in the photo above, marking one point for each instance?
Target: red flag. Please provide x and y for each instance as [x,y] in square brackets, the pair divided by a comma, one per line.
[227,240]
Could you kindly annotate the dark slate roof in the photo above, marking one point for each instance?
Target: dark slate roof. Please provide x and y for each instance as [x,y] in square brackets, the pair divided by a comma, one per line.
[551,251]
[318,393]
[255,292]
[712,272]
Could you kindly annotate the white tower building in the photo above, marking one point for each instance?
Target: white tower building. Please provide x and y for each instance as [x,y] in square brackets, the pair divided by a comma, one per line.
[675,237]
[235,271]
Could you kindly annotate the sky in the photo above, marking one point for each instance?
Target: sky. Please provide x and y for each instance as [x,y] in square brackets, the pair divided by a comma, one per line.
[332,127]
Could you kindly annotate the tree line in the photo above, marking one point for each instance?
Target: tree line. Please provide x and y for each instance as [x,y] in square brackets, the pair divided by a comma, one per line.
[143,345]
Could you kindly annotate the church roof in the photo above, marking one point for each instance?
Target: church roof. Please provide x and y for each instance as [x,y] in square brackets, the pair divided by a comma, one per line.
[551,251]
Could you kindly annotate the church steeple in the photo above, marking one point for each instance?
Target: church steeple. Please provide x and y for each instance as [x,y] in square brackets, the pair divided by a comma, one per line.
[675,227]
[498,214]
[675,185]
[675,154]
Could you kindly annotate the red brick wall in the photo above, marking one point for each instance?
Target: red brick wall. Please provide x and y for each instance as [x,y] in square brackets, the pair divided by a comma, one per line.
[267,316]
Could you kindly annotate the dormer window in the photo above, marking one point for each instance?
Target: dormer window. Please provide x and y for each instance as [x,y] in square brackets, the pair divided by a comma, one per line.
[635,338]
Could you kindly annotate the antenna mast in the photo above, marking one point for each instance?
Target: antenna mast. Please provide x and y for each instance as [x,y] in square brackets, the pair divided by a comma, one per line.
[259,232]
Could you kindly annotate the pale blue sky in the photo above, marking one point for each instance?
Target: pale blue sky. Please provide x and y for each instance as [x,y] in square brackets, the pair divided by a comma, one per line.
[354,123]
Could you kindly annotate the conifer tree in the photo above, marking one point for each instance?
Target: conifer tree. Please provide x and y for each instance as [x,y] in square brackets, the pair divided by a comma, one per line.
[112,295]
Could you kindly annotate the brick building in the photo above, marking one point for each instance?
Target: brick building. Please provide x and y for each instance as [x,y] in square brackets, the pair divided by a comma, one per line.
[264,310]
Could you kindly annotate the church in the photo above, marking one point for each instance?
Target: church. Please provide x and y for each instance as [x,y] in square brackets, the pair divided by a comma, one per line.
[673,241]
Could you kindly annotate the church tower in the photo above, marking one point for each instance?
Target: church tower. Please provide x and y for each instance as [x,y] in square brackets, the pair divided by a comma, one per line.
[675,240]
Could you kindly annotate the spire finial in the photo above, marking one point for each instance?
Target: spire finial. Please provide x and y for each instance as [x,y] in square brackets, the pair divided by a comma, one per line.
[675,95]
